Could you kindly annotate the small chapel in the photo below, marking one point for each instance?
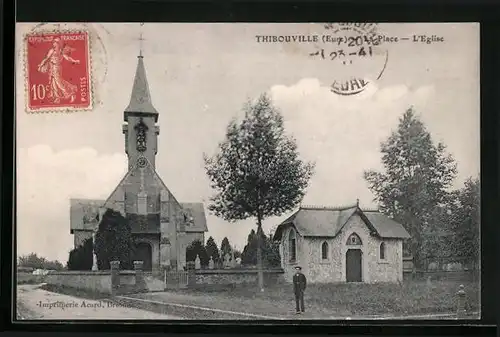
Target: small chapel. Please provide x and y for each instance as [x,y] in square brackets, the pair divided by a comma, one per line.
[342,244]
[162,227]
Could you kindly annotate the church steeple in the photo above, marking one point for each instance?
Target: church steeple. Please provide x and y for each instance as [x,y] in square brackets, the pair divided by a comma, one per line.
[140,116]
[140,99]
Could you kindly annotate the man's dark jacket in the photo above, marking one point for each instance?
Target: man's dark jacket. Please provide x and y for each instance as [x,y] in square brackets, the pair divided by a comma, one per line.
[299,283]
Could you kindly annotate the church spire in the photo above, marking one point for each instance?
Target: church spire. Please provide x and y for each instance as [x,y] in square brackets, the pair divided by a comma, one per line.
[140,99]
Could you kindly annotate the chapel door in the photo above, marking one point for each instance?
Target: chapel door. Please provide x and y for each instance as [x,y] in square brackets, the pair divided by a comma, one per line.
[353,265]
[143,252]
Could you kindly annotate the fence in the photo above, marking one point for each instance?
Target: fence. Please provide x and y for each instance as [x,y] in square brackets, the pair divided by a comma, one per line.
[449,268]
[176,279]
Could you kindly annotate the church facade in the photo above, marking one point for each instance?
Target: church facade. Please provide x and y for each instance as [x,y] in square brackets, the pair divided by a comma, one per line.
[336,245]
[162,227]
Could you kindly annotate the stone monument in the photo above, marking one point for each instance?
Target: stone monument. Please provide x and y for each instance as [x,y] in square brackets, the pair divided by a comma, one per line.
[227,261]
[211,263]
[197,262]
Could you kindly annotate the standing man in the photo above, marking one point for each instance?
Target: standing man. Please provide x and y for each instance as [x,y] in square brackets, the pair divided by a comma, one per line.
[299,286]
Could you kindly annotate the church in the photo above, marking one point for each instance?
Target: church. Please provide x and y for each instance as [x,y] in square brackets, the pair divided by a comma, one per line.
[162,227]
[342,244]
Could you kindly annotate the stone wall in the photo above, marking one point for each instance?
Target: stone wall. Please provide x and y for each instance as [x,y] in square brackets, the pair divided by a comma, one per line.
[236,276]
[333,269]
[110,282]
[96,281]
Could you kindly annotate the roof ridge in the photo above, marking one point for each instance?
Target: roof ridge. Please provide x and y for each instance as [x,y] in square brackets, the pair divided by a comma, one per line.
[328,208]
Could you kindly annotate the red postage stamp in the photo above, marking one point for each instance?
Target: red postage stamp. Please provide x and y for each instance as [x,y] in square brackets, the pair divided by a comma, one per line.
[58,71]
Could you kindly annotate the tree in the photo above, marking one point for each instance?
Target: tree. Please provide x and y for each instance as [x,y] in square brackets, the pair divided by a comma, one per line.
[249,254]
[113,241]
[416,179]
[34,261]
[271,255]
[257,172]
[212,250]
[465,221]
[225,247]
[81,258]
[196,248]
[272,252]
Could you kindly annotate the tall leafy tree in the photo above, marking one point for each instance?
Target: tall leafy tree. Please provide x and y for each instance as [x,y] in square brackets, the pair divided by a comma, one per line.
[249,254]
[270,248]
[212,250]
[416,177]
[257,172]
[225,247]
[114,241]
[466,221]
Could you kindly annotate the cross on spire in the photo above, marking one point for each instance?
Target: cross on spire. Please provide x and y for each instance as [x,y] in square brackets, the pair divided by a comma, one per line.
[141,39]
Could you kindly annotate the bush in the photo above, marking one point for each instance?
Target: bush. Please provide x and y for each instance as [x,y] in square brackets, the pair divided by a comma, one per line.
[114,241]
[80,258]
[197,248]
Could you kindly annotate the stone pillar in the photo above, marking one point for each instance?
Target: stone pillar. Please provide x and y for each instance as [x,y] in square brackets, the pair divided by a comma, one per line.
[461,312]
[115,277]
[140,283]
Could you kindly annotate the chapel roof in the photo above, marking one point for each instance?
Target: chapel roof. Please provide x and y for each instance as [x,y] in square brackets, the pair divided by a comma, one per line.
[140,99]
[315,221]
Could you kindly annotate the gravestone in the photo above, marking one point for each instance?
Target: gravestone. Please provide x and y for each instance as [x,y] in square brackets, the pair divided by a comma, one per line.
[211,263]
[197,262]
[227,261]
[233,260]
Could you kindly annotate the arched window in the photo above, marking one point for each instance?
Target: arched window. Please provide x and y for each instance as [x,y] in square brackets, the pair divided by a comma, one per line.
[324,250]
[382,251]
[354,239]
[292,245]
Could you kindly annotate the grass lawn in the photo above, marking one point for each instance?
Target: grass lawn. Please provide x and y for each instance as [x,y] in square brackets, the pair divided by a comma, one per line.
[334,300]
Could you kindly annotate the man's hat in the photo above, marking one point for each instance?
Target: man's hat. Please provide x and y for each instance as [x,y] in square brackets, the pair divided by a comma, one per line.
[298,267]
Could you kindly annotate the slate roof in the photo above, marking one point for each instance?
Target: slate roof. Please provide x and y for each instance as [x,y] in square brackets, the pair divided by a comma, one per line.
[197,211]
[84,208]
[140,99]
[329,221]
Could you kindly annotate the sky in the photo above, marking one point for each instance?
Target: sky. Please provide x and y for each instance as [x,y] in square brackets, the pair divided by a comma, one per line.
[200,76]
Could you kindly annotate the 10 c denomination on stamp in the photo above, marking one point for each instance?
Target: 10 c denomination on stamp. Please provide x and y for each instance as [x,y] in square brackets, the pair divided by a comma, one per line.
[58,71]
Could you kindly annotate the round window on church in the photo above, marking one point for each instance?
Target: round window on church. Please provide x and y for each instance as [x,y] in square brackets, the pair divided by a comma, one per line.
[141,162]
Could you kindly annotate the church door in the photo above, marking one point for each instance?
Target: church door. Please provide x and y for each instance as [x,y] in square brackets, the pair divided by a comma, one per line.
[144,252]
[353,265]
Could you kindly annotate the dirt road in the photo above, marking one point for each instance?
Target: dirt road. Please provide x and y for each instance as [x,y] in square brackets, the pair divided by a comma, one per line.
[34,303]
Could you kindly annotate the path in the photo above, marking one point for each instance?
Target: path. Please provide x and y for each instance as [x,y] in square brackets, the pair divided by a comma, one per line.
[34,303]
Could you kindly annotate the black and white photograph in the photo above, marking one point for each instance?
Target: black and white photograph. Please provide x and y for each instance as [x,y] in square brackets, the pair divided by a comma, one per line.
[247,171]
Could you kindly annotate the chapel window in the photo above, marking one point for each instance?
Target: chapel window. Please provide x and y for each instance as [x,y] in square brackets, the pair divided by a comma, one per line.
[292,245]
[354,239]
[324,251]
[382,251]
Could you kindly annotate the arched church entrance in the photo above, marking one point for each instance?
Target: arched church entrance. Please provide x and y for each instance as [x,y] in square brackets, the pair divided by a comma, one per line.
[353,264]
[144,252]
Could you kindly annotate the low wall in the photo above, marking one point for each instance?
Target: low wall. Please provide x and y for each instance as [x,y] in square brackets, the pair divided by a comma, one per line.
[95,281]
[237,276]
[461,275]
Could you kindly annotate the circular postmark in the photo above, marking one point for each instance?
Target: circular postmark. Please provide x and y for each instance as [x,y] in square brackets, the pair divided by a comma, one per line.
[357,55]
[91,60]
